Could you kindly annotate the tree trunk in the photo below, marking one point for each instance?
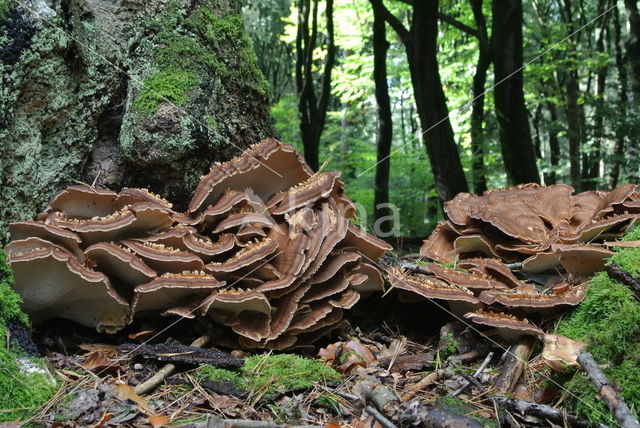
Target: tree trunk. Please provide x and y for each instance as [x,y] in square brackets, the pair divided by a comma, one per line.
[554,145]
[478,172]
[312,106]
[422,48]
[633,46]
[421,42]
[385,125]
[592,172]
[515,135]
[618,150]
[123,95]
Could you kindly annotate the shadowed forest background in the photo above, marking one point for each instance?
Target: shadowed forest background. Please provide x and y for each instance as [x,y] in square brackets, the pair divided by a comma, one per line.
[453,96]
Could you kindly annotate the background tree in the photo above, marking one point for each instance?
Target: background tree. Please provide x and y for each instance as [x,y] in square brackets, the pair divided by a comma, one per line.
[312,106]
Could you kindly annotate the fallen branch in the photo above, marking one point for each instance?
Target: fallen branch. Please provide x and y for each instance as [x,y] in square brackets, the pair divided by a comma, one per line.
[517,356]
[527,408]
[607,392]
[379,417]
[176,353]
[430,379]
[151,383]
[477,373]
[622,276]
[379,395]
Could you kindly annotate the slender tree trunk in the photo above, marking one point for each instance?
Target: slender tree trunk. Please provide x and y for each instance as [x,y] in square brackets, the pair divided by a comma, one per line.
[422,48]
[618,150]
[592,172]
[385,125]
[515,134]
[478,172]
[633,46]
[312,107]
[573,125]
[554,145]
[421,42]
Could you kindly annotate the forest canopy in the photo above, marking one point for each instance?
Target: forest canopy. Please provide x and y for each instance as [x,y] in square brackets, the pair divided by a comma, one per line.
[417,101]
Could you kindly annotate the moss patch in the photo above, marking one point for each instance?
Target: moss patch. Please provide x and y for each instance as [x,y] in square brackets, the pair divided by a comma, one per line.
[609,321]
[166,86]
[25,384]
[273,374]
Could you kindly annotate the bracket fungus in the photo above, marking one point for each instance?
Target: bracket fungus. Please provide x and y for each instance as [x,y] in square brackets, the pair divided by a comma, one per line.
[548,232]
[265,250]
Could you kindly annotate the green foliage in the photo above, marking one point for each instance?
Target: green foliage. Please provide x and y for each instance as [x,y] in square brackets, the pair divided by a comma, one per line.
[273,374]
[165,86]
[609,321]
[5,6]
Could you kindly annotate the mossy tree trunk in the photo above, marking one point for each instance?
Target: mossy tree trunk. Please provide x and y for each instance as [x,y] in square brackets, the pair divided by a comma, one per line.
[121,95]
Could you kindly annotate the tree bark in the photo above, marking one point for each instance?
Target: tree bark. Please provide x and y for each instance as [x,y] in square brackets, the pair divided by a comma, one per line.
[633,46]
[554,144]
[122,95]
[515,135]
[421,43]
[385,125]
[618,150]
[312,106]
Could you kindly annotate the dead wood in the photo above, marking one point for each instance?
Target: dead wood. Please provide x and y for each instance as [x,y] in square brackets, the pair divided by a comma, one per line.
[405,363]
[372,391]
[155,380]
[415,414]
[473,379]
[527,408]
[379,417]
[426,381]
[517,356]
[622,276]
[182,354]
[607,392]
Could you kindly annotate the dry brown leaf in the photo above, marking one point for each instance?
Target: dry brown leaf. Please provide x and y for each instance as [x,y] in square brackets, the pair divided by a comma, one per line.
[332,425]
[345,356]
[125,392]
[560,351]
[105,418]
[98,360]
[395,348]
[158,421]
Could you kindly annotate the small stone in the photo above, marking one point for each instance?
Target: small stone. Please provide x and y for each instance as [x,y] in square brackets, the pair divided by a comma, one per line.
[137,366]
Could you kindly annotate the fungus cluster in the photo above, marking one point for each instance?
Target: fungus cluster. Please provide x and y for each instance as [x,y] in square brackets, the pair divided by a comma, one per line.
[554,236]
[265,249]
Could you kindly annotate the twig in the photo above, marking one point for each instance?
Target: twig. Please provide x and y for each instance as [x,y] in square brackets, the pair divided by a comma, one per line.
[379,417]
[155,380]
[431,378]
[477,373]
[415,414]
[527,408]
[379,395]
[607,392]
[517,356]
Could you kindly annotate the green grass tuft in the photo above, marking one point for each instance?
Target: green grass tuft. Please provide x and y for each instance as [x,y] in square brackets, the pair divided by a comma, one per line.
[273,374]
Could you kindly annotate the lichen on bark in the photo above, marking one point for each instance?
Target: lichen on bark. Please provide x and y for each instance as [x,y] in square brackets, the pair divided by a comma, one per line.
[103,92]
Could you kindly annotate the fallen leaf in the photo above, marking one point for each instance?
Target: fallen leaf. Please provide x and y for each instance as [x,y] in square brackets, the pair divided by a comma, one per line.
[560,352]
[105,418]
[395,348]
[332,425]
[98,360]
[158,421]
[125,392]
